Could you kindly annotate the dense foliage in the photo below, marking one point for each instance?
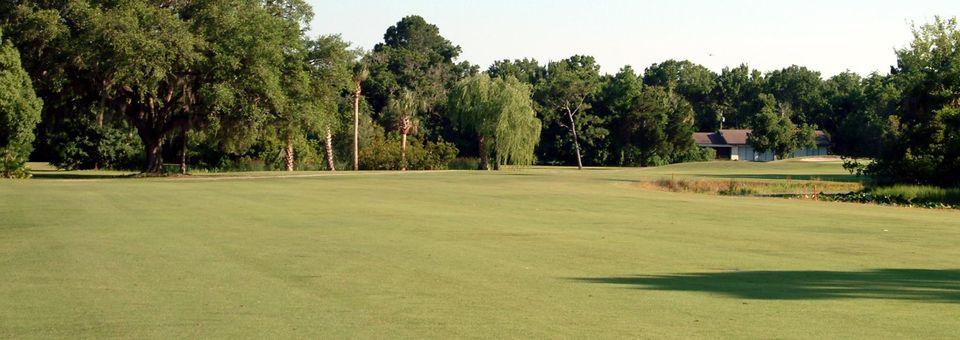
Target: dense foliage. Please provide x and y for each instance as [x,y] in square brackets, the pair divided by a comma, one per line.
[921,143]
[650,125]
[774,130]
[223,84]
[19,113]
[499,112]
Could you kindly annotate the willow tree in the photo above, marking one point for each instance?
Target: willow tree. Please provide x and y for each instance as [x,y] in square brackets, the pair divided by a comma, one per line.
[499,112]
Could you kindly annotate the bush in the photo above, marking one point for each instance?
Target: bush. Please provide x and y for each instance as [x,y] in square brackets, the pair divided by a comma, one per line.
[701,154]
[438,156]
[465,163]
[737,189]
[13,165]
[19,113]
[80,143]
[385,154]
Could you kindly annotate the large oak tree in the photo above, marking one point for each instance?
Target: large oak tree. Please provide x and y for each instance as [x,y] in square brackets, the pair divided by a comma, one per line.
[165,66]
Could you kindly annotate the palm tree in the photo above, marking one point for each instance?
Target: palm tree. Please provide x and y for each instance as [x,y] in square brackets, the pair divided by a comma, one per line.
[404,108]
[328,143]
[360,73]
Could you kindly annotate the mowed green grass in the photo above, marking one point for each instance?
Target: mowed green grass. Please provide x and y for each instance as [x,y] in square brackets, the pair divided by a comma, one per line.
[538,253]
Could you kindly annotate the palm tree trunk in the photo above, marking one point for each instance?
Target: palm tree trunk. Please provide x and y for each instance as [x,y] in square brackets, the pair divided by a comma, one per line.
[356,129]
[329,146]
[403,153]
[289,153]
[576,141]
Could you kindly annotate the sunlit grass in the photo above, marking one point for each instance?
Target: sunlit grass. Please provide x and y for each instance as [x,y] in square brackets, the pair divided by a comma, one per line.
[920,193]
[541,252]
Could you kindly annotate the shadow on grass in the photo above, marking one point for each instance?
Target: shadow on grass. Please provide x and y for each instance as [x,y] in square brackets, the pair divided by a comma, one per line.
[894,284]
[826,178]
[53,174]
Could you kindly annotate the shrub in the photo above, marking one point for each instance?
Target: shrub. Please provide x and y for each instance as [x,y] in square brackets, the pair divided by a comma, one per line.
[698,154]
[19,113]
[385,154]
[12,165]
[735,188]
[437,156]
[464,163]
[81,143]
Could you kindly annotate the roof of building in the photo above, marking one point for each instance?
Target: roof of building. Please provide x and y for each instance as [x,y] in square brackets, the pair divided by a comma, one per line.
[708,138]
[739,137]
[822,138]
[735,137]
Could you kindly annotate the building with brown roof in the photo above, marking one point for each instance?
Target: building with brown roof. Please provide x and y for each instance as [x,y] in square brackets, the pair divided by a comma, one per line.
[732,144]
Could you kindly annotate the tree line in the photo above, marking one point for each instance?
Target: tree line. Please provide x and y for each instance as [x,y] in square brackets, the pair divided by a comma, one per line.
[238,84]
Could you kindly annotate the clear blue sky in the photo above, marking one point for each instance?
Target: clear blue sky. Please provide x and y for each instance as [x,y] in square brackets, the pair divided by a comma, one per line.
[827,35]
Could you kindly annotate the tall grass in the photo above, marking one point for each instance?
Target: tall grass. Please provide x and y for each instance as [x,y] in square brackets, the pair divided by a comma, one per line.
[747,188]
[919,193]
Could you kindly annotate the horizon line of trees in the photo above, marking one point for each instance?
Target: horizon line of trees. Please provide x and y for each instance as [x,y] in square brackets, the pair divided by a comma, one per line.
[237,84]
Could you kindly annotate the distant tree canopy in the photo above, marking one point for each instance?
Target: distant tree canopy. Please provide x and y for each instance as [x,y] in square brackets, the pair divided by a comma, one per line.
[237,84]
[415,57]
[526,70]
[773,129]
[693,82]
[656,128]
[565,94]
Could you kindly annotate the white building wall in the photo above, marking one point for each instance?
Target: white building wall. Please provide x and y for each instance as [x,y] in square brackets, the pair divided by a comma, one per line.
[747,153]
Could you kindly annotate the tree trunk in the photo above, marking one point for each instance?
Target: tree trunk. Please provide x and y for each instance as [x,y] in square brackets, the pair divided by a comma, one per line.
[496,159]
[183,152]
[154,148]
[576,141]
[96,164]
[403,153]
[289,153]
[329,145]
[356,129]
[484,156]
